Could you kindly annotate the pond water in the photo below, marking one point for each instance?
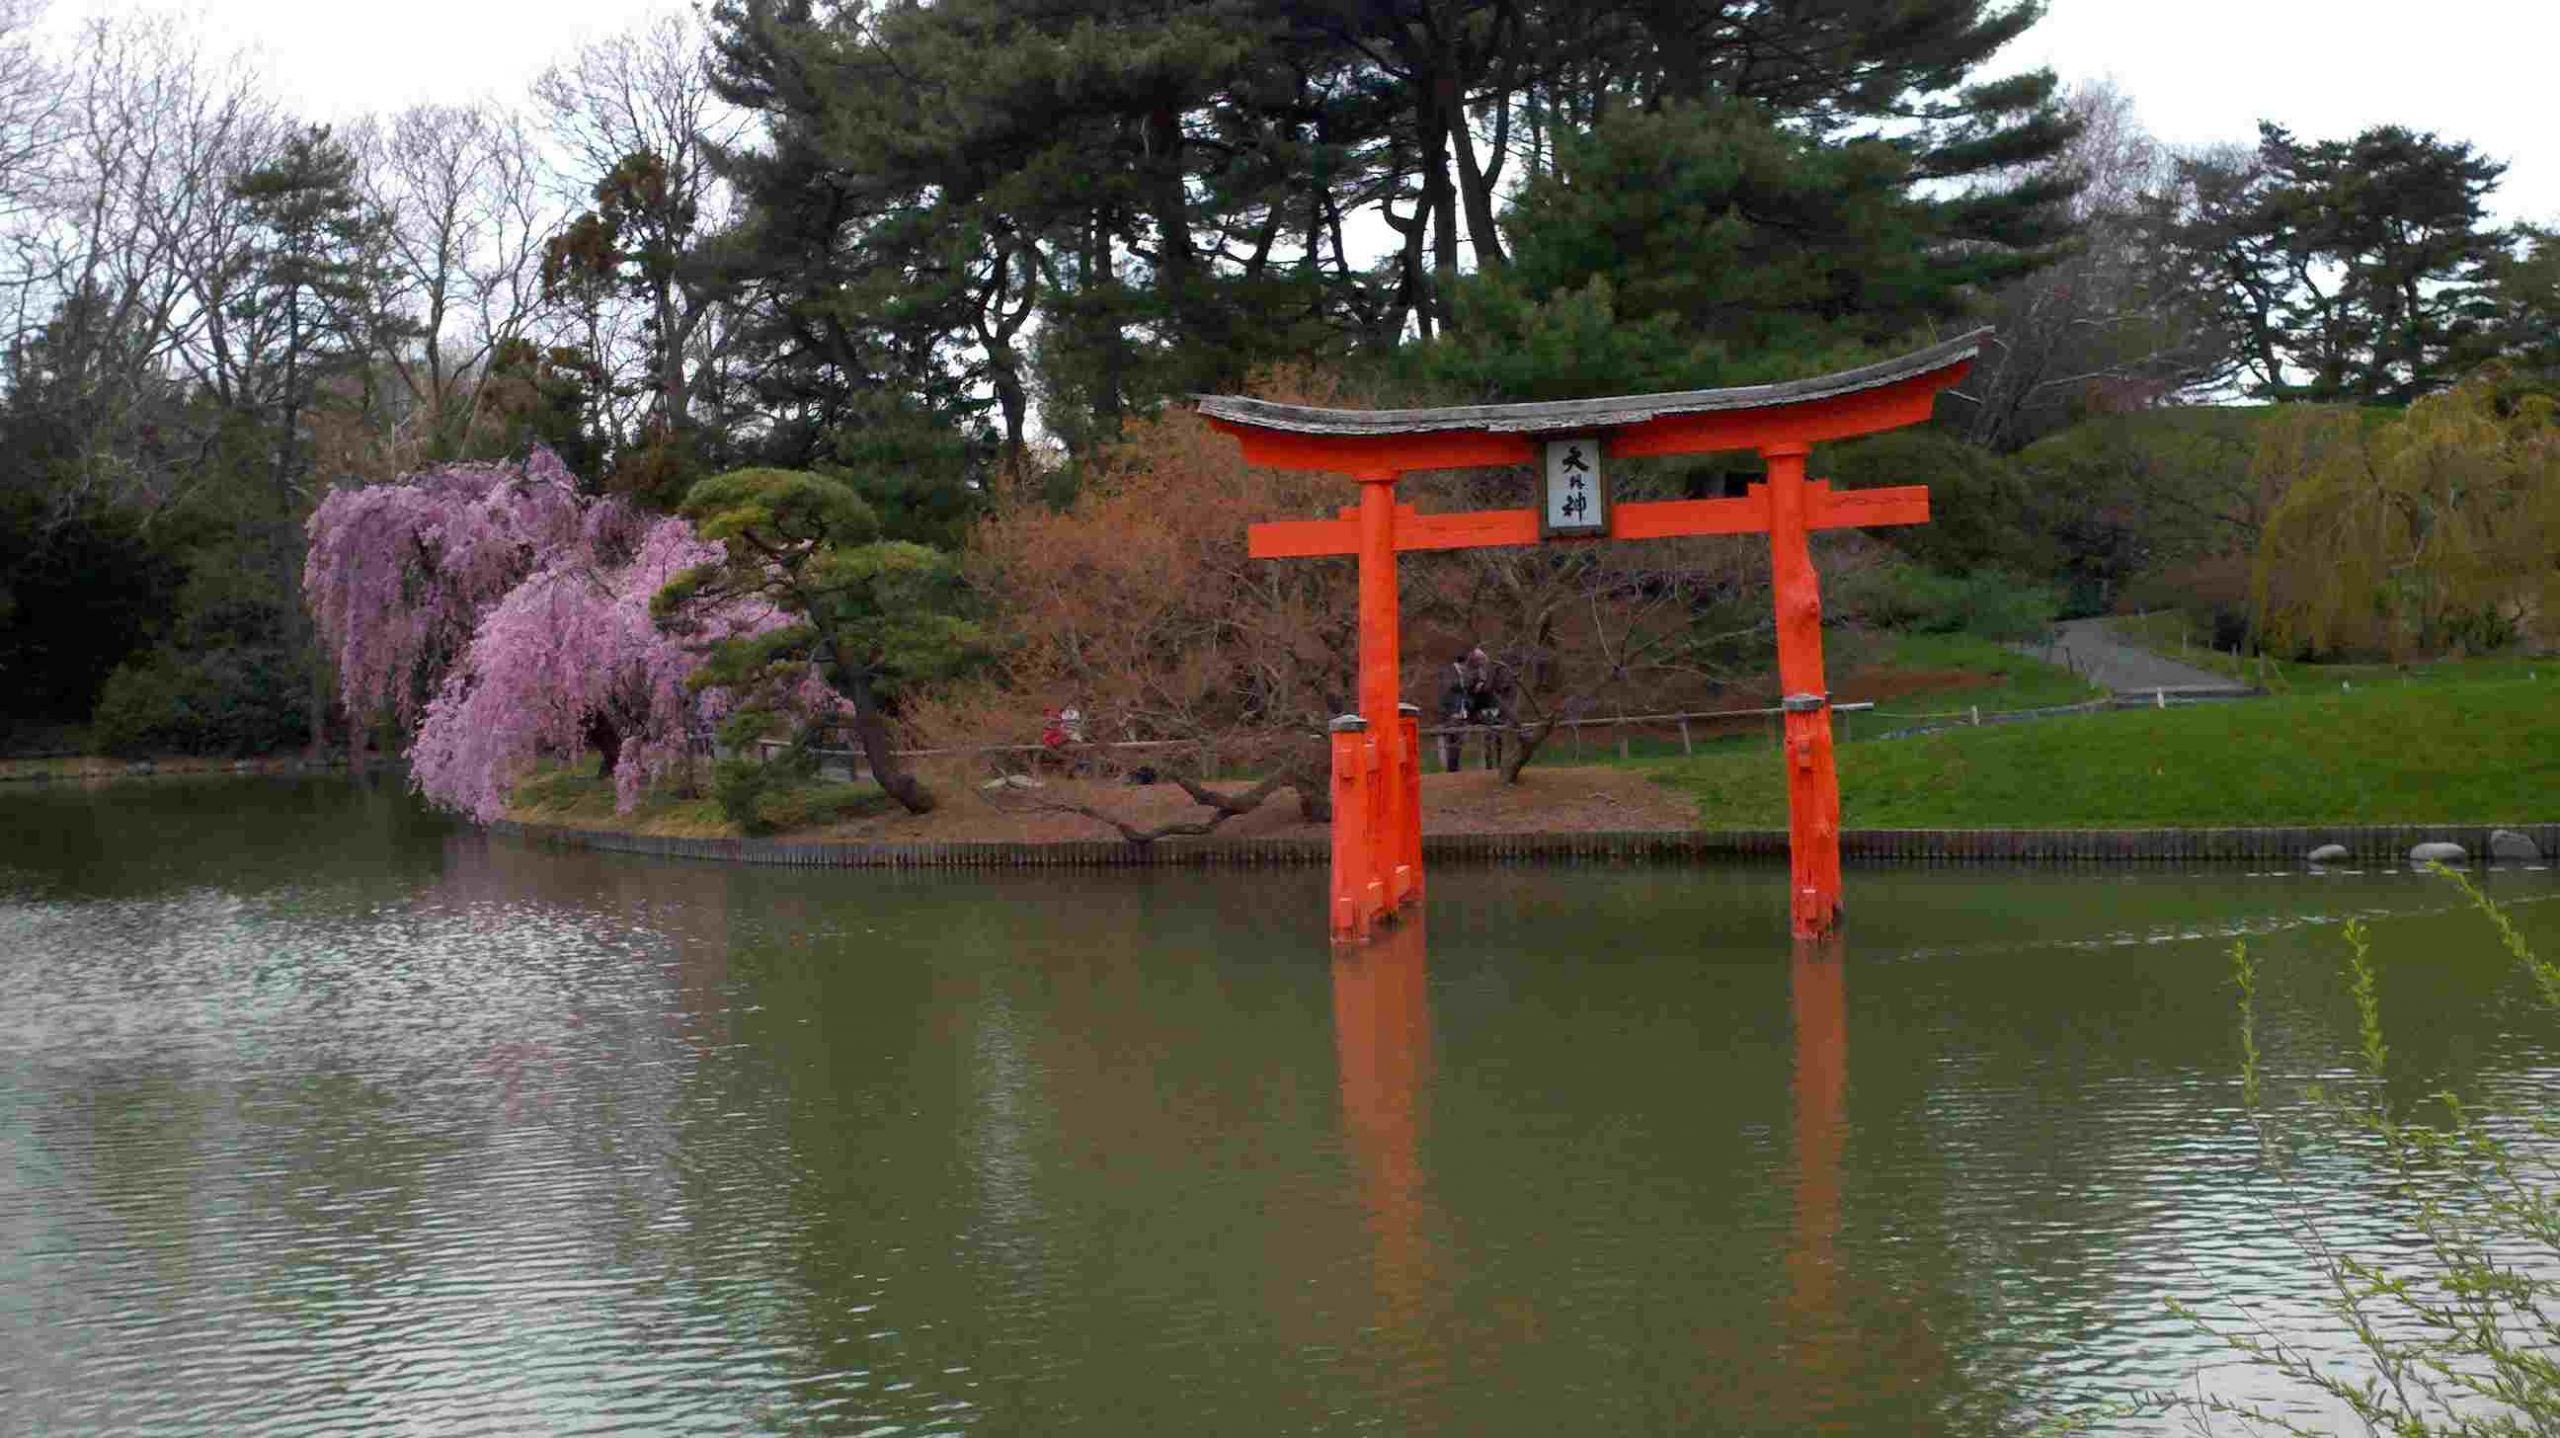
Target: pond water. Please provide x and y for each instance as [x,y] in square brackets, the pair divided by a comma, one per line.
[320,1114]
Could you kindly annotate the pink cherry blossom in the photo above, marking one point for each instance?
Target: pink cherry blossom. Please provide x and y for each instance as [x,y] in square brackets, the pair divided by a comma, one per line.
[398,574]
[570,645]
[518,611]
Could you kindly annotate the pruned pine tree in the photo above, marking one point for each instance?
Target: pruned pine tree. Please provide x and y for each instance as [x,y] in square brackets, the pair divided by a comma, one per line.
[1692,246]
[2525,305]
[987,205]
[863,611]
[2348,269]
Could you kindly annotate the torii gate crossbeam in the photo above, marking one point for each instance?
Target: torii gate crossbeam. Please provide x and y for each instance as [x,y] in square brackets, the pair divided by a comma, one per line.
[1377,825]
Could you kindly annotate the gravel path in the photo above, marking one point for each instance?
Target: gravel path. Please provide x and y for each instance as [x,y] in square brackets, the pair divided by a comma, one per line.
[2089,648]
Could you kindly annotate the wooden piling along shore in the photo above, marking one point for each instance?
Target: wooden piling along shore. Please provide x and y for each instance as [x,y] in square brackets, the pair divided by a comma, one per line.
[2366,843]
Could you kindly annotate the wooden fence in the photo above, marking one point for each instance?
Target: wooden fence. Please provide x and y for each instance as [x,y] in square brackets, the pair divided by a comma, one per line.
[836,744]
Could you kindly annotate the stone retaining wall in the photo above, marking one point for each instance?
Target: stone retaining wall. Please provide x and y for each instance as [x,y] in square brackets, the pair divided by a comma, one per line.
[2373,843]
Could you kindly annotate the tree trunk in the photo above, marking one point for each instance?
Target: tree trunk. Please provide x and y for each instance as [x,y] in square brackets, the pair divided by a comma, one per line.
[1013,401]
[1315,803]
[1439,208]
[872,733]
[996,331]
[675,404]
[1094,272]
[1475,184]
[606,740]
[1314,782]
[1168,203]
[1520,745]
[1413,288]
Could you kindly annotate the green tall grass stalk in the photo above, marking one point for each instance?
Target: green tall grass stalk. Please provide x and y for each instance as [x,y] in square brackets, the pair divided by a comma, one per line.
[2244,976]
[2464,1339]
[2545,972]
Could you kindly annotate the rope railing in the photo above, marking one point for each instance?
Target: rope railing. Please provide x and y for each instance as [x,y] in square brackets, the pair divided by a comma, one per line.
[837,744]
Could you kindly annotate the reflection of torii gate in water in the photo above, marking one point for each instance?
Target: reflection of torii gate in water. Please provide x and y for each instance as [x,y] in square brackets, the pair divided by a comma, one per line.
[1382,1041]
[1377,823]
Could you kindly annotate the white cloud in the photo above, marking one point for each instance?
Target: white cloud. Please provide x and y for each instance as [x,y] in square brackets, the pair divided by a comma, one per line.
[2200,71]
[331,60]
[2206,71]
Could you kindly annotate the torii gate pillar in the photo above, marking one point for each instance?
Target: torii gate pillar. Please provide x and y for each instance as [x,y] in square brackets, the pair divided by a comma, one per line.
[1394,840]
[1813,783]
[1377,767]
[1377,824]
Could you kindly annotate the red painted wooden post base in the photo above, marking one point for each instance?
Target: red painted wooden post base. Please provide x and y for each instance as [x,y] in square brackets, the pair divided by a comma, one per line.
[1377,822]
[1359,900]
[1377,756]
[1407,838]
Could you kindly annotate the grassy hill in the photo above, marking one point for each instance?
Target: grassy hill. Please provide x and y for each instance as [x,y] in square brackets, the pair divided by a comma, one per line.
[2472,746]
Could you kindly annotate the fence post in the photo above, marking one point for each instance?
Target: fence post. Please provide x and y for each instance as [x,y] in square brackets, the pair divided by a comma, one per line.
[1622,734]
[1685,750]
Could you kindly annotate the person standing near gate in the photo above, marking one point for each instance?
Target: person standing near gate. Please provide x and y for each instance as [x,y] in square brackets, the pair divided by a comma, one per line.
[1453,717]
[1486,682]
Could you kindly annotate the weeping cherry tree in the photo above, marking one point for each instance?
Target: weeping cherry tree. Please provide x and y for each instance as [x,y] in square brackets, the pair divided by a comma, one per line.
[507,617]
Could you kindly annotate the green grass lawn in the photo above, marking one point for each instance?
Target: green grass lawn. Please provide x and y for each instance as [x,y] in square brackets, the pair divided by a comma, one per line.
[2481,749]
[2004,681]
[1967,673]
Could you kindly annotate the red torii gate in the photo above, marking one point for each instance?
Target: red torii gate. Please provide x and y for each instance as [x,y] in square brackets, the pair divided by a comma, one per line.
[1377,772]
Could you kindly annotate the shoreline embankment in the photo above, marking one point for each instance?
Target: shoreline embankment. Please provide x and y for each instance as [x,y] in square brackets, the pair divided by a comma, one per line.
[2288,844]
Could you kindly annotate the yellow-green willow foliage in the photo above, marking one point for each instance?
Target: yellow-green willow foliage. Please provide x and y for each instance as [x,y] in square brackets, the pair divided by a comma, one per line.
[2437,529]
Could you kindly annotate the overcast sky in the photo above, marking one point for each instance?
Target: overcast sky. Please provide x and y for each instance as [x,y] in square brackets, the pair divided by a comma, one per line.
[2203,71]
[2200,71]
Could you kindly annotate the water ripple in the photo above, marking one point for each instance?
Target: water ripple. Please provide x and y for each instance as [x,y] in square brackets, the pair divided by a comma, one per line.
[468,1138]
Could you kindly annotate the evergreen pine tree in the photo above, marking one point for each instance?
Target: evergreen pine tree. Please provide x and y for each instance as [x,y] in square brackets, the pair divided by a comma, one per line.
[308,303]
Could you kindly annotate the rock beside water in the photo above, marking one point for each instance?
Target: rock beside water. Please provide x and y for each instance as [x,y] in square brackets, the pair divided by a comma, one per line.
[2329,854]
[2508,846]
[2440,853]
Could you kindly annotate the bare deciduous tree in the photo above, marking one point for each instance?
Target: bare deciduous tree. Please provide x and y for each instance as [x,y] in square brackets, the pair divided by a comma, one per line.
[128,234]
[32,106]
[2108,326]
[1138,606]
[638,124]
[469,206]
[1571,626]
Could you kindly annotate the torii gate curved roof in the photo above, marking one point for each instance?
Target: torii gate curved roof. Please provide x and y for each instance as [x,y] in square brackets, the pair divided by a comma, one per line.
[1234,412]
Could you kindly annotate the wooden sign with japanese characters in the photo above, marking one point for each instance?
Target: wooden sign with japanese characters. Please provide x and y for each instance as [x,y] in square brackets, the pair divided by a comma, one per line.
[1577,500]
